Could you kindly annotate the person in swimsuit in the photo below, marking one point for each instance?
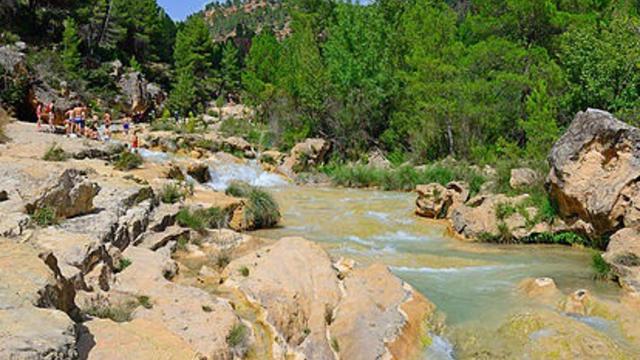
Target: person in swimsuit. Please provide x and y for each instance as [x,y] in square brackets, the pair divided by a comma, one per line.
[68,122]
[51,115]
[38,114]
[126,125]
[134,142]
[107,125]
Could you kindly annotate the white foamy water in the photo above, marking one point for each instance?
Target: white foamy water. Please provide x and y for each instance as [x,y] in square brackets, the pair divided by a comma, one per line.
[451,270]
[223,174]
[153,156]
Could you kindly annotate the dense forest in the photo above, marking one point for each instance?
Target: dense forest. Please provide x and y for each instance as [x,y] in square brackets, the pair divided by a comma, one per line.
[421,79]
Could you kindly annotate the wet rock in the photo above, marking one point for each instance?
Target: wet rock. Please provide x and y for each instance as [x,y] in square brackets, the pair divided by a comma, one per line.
[69,194]
[139,339]
[595,167]
[380,317]
[540,289]
[522,177]
[311,152]
[623,254]
[200,172]
[102,151]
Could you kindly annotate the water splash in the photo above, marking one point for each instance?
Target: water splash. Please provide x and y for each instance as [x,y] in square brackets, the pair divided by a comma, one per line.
[430,270]
[223,174]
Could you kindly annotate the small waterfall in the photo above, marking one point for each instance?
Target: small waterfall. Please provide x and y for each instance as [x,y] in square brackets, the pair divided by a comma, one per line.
[222,174]
[153,156]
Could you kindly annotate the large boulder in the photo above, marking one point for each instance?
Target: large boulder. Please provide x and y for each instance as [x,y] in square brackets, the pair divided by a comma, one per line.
[199,171]
[437,202]
[595,172]
[381,317]
[134,92]
[69,194]
[12,60]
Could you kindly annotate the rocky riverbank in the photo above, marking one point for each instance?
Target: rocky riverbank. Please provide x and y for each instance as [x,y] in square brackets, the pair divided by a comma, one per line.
[593,183]
[94,265]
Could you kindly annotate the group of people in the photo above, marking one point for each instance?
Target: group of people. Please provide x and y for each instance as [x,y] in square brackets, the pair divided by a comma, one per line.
[78,123]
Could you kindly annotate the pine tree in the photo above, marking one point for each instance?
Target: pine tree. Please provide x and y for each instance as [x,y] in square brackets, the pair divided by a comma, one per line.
[230,70]
[71,59]
[183,96]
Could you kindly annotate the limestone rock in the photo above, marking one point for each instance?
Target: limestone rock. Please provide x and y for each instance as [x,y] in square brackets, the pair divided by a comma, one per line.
[623,254]
[136,340]
[200,319]
[156,240]
[436,201]
[380,316]
[33,333]
[199,171]
[236,143]
[522,177]
[478,216]
[311,152]
[595,167]
[378,160]
[294,282]
[541,289]
[69,194]
[133,87]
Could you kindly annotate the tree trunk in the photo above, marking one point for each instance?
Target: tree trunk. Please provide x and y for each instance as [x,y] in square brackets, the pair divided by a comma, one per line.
[105,23]
[450,136]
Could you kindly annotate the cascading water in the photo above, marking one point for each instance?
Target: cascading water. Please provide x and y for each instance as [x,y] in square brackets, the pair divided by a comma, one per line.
[222,174]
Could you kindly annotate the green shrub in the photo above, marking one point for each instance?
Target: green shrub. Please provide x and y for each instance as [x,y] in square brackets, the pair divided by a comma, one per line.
[237,335]
[45,216]
[201,219]
[117,313]
[261,209]
[504,211]
[403,178]
[123,264]
[163,124]
[244,271]
[182,243]
[171,194]
[602,270]
[223,259]
[145,301]
[55,153]
[128,161]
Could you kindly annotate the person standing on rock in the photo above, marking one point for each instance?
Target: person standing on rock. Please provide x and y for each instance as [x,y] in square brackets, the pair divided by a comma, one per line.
[51,116]
[107,126]
[125,126]
[134,142]
[38,115]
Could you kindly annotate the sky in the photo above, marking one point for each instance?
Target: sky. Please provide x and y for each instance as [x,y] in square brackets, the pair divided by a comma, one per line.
[180,9]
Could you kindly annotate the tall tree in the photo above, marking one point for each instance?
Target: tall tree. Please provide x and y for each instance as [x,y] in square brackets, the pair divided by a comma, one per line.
[71,58]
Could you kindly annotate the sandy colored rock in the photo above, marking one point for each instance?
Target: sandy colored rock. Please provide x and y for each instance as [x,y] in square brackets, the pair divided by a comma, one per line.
[437,202]
[478,217]
[595,167]
[294,282]
[136,340]
[200,319]
[372,316]
[69,194]
[623,254]
[311,152]
[34,333]
[540,289]
[522,177]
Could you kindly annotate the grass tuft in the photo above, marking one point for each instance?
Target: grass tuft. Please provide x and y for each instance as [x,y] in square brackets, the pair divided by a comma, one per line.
[201,219]
[171,194]
[261,211]
[128,161]
[237,335]
[602,270]
[45,216]
[55,153]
